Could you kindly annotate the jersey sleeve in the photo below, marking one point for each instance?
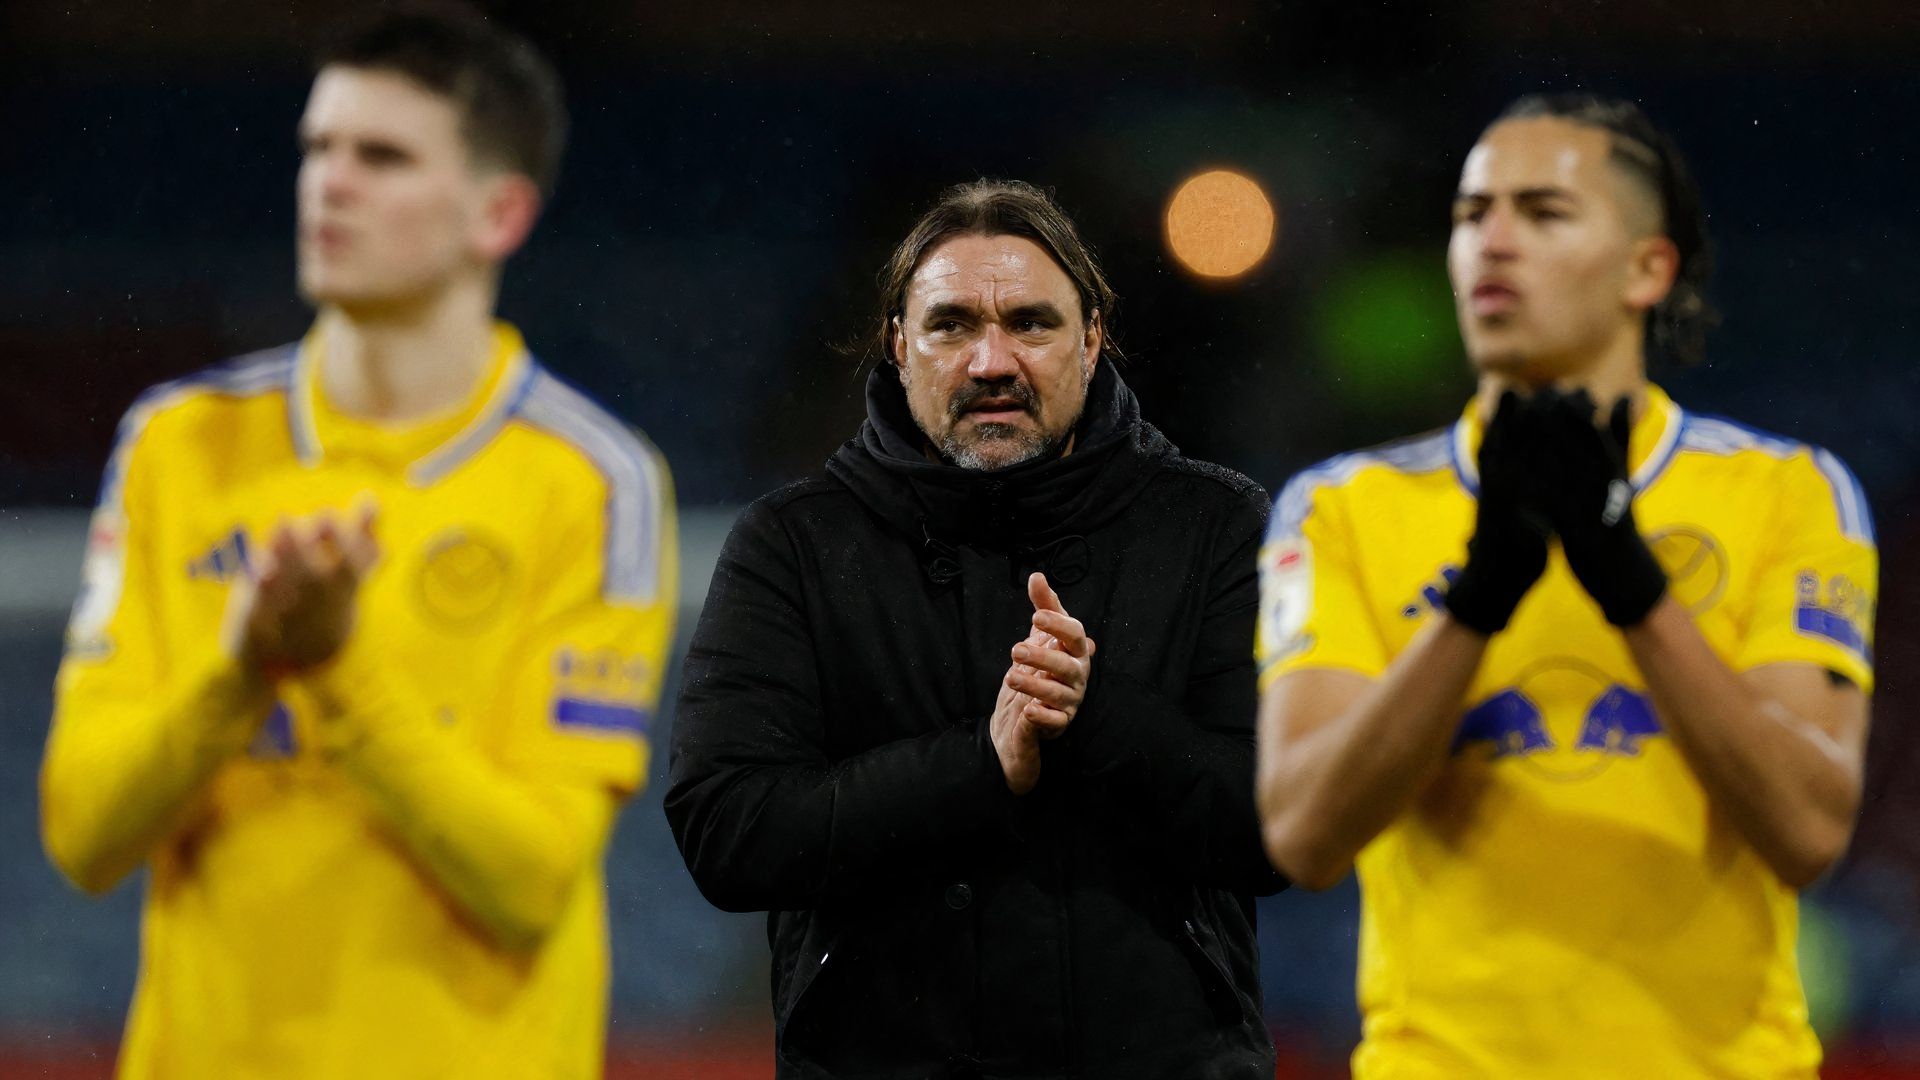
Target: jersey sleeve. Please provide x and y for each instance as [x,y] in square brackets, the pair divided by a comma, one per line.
[587,676]
[1815,594]
[133,734]
[113,642]
[1313,612]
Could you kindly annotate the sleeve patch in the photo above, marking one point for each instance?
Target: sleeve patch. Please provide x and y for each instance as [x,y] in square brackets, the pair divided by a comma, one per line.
[101,580]
[601,690]
[1286,597]
[608,716]
[1839,612]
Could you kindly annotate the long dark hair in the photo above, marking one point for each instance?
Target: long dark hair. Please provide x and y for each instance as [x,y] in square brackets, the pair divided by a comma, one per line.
[998,208]
[1676,326]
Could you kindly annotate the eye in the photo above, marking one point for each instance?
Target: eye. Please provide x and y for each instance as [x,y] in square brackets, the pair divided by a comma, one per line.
[947,326]
[382,154]
[1468,213]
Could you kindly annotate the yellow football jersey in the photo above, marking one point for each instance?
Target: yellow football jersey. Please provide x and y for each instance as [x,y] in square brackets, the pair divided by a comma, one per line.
[1562,901]
[523,600]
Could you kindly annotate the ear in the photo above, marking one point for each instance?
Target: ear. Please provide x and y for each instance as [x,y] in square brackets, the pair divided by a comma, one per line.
[1651,273]
[1090,345]
[897,347]
[510,204]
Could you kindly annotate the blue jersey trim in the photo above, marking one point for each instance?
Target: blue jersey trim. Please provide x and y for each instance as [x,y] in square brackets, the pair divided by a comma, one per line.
[493,417]
[1721,436]
[245,376]
[1663,452]
[635,475]
[1419,454]
[1465,469]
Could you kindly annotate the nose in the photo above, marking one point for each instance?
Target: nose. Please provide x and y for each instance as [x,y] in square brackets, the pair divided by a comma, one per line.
[994,356]
[327,176]
[1499,234]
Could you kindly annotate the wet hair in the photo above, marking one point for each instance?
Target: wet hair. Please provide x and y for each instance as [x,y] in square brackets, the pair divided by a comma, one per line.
[512,109]
[1677,326]
[998,208]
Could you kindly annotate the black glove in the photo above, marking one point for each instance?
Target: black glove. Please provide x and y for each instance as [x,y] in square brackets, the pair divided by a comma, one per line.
[1591,504]
[1508,550]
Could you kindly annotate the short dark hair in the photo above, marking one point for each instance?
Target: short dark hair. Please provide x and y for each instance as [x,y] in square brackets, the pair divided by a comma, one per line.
[513,111]
[1677,326]
[998,208]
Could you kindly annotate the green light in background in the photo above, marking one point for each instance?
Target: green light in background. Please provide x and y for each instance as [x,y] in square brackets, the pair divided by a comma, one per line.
[1385,329]
[1826,970]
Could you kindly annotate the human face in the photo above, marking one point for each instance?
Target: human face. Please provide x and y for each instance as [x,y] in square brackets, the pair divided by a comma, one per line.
[391,207]
[994,350]
[1555,256]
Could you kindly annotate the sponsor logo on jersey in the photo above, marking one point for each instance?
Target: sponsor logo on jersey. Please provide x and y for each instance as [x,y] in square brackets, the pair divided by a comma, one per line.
[1591,723]
[601,690]
[1837,609]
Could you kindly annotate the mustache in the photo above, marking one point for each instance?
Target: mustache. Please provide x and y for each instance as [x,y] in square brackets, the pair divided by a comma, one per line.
[966,399]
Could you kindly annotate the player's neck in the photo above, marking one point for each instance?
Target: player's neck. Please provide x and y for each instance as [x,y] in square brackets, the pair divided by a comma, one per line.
[406,363]
[1617,370]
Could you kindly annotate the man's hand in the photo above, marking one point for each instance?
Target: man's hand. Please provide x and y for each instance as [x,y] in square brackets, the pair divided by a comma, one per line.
[1508,551]
[296,608]
[1042,689]
[1591,504]
[1053,675]
[1016,739]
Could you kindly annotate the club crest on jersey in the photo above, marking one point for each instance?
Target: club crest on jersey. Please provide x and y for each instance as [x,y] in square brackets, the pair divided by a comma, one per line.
[463,579]
[1695,562]
[1838,611]
[601,690]
[1588,724]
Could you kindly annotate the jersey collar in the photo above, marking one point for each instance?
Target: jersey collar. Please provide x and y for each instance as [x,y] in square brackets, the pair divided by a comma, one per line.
[428,449]
[1655,437]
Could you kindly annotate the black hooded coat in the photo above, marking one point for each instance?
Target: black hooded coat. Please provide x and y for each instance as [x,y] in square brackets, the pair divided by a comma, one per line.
[831,761]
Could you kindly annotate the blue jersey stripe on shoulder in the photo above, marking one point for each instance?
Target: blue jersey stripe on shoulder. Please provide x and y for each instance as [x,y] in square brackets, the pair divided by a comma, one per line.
[1421,453]
[635,509]
[244,376]
[1856,517]
[493,417]
[1719,435]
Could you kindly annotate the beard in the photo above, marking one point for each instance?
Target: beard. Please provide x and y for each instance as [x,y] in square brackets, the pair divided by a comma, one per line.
[995,445]
[992,445]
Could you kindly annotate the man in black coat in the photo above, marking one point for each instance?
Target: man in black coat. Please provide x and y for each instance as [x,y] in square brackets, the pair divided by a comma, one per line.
[971,716]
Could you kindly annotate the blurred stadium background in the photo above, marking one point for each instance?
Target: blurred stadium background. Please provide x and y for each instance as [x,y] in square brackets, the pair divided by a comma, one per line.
[737,172]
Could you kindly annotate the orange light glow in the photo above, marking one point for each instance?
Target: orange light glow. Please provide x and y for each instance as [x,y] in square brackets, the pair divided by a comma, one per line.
[1220,224]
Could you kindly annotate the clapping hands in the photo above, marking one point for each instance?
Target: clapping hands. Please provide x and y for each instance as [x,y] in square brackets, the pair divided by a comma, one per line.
[1043,688]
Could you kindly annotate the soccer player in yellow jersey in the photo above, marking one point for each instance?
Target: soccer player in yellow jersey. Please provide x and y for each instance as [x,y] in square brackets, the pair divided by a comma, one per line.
[1579,692]
[372,626]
